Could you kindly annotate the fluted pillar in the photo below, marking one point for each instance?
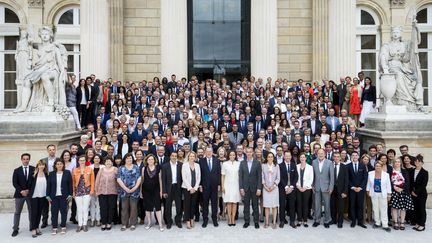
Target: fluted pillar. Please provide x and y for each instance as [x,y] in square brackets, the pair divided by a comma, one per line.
[342,38]
[320,41]
[264,59]
[95,37]
[174,47]
[116,39]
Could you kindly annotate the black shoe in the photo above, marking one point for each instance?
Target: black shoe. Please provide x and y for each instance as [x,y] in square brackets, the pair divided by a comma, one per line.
[326,226]
[168,226]
[293,225]
[387,229]
[246,225]
[315,224]
[204,225]
[215,224]
[363,226]
[281,225]
[14,233]
[44,225]
[179,225]
[352,225]
[340,226]
[375,226]
[256,226]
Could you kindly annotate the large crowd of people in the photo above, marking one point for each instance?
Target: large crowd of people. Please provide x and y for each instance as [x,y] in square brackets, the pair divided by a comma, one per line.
[290,150]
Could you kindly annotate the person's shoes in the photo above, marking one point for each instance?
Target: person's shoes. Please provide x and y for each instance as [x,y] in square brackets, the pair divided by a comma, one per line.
[44,225]
[257,226]
[420,228]
[63,231]
[293,225]
[215,224]
[387,229]
[38,232]
[108,227]
[85,228]
[14,233]
[305,225]
[326,226]
[123,228]
[246,225]
[54,232]
[340,226]
[79,228]
[281,225]
[179,225]
[132,228]
[315,224]
[352,225]
[204,225]
[363,226]
[98,223]
[375,226]
[168,226]
[93,223]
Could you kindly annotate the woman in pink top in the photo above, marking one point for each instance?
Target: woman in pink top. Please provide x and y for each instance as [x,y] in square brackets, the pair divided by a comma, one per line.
[106,190]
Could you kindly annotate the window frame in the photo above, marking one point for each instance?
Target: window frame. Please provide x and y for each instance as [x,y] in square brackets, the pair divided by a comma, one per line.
[427,28]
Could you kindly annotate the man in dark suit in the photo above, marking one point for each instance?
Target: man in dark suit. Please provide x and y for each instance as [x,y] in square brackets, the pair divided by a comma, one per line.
[139,133]
[21,180]
[242,124]
[161,155]
[250,179]
[287,185]
[99,150]
[210,185]
[270,135]
[171,189]
[173,147]
[340,191]
[342,90]
[297,141]
[358,176]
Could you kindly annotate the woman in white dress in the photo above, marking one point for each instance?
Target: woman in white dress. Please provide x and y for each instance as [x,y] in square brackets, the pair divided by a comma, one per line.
[230,186]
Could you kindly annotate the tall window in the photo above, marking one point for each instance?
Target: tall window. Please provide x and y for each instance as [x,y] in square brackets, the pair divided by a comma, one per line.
[424,20]
[219,38]
[9,22]
[67,22]
[367,42]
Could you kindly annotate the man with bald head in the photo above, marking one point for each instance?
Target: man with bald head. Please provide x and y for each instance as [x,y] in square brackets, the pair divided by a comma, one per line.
[323,187]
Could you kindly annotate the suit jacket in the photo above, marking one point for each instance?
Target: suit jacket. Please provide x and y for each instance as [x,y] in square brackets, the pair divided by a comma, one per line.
[170,148]
[210,179]
[136,137]
[386,187]
[241,129]
[358,179]
[324,180]
[235,139]
[250,181]
[342,90]
[335,121]
[187,176]
[284,175]
[20,183]
[342,180]
[65,184]
[418,186]
[167,177]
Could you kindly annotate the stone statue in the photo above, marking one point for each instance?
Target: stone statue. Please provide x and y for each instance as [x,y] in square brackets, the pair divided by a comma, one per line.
[43,89]
[401,79]
[23,58]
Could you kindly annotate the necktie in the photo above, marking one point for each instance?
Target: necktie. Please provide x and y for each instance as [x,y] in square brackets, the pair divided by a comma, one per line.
[25,172]
[289,176]
[335,172]
[160,160]
[209,164]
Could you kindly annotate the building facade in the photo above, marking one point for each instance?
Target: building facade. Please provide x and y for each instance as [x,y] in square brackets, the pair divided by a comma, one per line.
[289,39]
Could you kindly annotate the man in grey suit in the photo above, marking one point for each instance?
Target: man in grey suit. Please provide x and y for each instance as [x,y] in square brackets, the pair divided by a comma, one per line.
[235,137]
[323,185]
[250,179]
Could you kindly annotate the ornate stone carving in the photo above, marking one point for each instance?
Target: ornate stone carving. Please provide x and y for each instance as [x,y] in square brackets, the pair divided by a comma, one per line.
[397,3]
[36,3]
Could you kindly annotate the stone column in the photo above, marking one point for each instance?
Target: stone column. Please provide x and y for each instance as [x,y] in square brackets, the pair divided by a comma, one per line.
[264,59]
[320,28]
[35,14]
[174,45]
[342,39]
[116,39]
[95,36]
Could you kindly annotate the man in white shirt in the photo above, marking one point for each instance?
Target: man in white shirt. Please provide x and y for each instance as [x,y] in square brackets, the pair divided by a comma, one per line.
[171,189]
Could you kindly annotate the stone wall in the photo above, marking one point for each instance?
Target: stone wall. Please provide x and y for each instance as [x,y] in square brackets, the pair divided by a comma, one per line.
[295,39]
[142,59]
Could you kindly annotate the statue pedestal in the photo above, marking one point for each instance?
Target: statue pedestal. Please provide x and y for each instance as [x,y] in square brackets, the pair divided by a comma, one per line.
[29,132]
[394,127]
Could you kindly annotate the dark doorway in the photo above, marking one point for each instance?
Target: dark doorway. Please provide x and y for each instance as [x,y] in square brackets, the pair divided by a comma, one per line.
[219,39]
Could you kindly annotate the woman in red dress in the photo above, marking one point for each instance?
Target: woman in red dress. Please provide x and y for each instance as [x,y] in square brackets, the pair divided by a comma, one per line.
[355,94]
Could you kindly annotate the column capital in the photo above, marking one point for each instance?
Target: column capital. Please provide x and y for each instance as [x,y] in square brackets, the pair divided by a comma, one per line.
[36,3]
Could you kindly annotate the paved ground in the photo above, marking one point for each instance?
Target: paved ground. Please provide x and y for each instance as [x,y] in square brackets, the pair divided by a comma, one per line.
[223,234]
